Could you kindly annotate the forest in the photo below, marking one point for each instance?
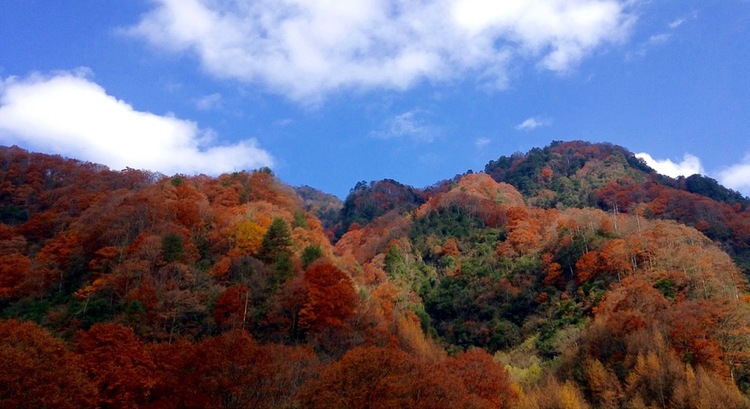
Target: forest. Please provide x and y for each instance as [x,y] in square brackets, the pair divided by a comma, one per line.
[570,276]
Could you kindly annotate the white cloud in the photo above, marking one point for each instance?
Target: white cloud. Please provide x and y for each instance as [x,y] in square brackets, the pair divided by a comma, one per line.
[68,114]
[208,102]
[532,123]
[676,23]
[660,39]
[679,21]
[305,49]
[657,39]
[408,125]
[737,176]
[482,142]
[690,165]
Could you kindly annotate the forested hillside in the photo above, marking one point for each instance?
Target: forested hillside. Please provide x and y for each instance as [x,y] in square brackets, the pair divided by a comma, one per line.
[608,177]
[571,276]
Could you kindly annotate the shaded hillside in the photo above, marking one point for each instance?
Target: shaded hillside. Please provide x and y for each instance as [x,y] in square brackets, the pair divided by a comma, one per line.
[705,186]
[366,201]
[566,173]
[325,206]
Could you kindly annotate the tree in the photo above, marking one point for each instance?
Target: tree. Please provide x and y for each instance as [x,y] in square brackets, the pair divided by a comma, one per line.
[275,249]
[382,378]
[249,236]
[232,371]
[482,377]
[331,299]
[587,267]
[232,307]
[171,247]
[276,241]
[118,364]
[37,371]
[310,254]
[393,261]
[14,269]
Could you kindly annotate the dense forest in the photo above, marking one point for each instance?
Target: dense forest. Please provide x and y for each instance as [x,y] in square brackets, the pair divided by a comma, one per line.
[570,276]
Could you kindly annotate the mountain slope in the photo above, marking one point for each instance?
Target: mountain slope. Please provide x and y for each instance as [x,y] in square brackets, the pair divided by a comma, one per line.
[580,174]
[157,291]
[589,292]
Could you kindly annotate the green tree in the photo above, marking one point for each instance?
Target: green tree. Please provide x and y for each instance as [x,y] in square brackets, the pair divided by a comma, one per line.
[310,254]
[172,247]
[276,241]
[275,250]
[299,220]
[394,262]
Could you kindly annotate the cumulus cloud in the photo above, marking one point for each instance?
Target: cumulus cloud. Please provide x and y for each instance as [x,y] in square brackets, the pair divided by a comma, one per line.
[411,125]
[690,165]
[71,115]
[305,49]
[532,123]
[737,176]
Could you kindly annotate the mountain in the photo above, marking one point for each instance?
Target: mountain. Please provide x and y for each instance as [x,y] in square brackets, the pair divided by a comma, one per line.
[570,276]
[608,177]
[324,206]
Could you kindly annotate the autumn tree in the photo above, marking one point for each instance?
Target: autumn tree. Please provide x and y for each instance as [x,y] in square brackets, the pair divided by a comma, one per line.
[14,271]
[382,378]
[331,301]
[249,236]
[38,371]
[553,394]
[487,381]
[283,320]
[232,371]
[232,308]
[118,364]
[172,363]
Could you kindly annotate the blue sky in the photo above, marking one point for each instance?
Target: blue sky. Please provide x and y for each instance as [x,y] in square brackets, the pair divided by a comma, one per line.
[328,93]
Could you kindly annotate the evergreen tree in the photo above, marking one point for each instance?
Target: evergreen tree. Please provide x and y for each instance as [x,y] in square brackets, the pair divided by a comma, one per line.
[310,254]
[276,241]
[172,247]
[275,250]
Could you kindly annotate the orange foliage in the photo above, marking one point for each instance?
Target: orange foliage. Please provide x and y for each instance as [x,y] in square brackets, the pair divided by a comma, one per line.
[36,370]
[232,371]
[630,305]
[487,381]
[14,270]
[118,364]
[221,269]
[554,275]
[232,307]
[586,267]
[332,297]
[692,324]
[249,236]
[451,248]
[382,378]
